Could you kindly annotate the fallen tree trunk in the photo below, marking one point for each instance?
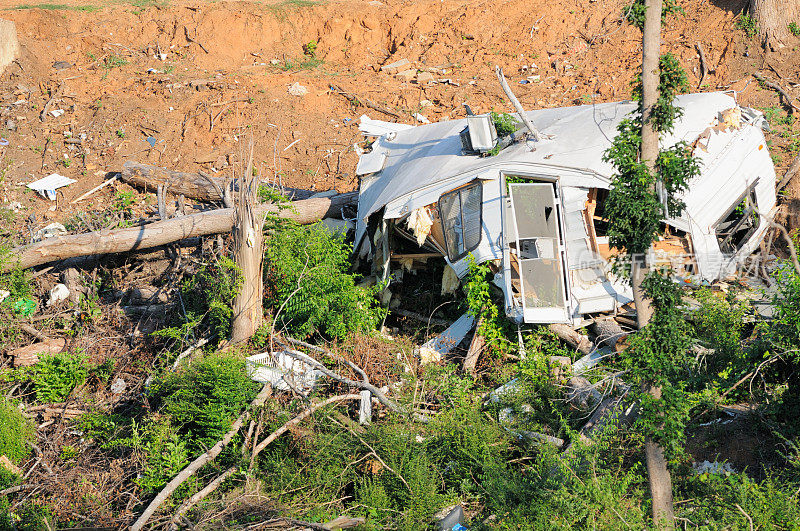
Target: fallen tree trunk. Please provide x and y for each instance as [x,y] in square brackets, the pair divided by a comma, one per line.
[575,339]
[195,185]
[163,232]
[198,185]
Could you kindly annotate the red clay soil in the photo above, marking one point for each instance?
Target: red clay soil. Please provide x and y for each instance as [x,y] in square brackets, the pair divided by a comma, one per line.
[203,78]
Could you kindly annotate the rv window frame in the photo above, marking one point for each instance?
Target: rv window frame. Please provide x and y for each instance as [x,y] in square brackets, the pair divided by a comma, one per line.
[475,183]
[751,193]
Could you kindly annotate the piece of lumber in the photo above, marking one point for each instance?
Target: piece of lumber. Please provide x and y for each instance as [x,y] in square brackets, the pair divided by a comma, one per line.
[475,348]
[95,189]
[421,318]
[575,339]
[199,496]
[163,232]
[362,101]
[26,356]
[794,168]
[204,458]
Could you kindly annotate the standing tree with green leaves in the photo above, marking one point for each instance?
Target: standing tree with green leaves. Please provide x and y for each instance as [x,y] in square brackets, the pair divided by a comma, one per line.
[643,192]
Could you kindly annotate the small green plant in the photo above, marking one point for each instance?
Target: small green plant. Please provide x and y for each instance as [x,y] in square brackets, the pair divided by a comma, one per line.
[504,123]
[111,62]
[203,399]
[494,326]
[67,163]
[123,202]
[310,49]
[748,24]
[308,284]
[56,375]
[120,133]
[794,29]
[16,432]
[69,453]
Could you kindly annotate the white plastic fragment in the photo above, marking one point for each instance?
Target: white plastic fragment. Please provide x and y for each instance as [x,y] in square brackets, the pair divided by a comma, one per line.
[296,89]
[119,386]
[434,349]
[47,186]
[278,368]
[59,293]
[50,231]
[57,112]
[4,294]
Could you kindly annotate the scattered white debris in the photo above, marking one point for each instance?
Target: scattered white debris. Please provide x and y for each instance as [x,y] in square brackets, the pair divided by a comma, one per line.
[59,293]
[713,467]
[4,294]
[434,349]
[16,206]
[57,112]
[119,386]
[50,231]
[47,186]
[296,89]
[276,369]
[421,118]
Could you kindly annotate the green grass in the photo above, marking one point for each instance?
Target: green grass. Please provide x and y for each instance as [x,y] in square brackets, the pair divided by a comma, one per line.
[280,9]
[87,8]
[90,8]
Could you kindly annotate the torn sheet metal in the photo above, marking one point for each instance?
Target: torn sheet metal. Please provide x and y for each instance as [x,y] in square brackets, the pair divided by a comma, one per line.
[278,368]
[47,186]
[370,127]
[435,349]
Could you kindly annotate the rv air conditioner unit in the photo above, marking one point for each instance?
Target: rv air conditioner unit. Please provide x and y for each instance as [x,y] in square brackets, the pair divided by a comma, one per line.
[480,135]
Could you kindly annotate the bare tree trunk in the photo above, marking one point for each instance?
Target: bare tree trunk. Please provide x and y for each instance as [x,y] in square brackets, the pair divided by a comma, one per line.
[773,18]
[658,475]
[248,249]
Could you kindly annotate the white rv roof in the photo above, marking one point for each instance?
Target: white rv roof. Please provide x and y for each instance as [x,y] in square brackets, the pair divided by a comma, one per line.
[575,137]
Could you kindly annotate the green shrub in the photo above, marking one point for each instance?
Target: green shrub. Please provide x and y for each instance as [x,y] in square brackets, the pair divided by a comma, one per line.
[719,325]
[15,432]
[748,24]
[504,123]
[204,398]
[794,29]
[207,298]
[165,452]
[494,327]
[307,280]
[56,375]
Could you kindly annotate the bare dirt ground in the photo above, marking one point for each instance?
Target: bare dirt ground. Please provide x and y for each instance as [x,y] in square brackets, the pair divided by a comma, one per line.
[202,78]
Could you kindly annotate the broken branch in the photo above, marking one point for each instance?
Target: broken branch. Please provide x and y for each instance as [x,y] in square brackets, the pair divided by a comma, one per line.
[297,420]
[787,100]
[204,458]
[517,105]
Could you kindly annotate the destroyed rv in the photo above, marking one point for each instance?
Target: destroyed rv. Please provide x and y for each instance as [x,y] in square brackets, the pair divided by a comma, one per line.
[535,209]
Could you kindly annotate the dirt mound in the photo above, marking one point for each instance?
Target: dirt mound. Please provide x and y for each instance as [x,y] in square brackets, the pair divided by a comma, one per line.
[185,86]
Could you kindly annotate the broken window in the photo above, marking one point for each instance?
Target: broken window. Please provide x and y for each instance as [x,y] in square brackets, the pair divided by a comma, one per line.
[739,224]
[460,212]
